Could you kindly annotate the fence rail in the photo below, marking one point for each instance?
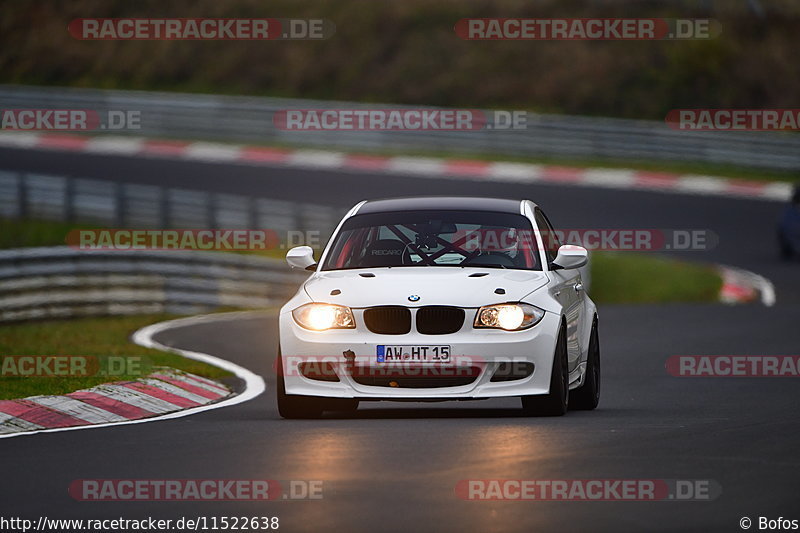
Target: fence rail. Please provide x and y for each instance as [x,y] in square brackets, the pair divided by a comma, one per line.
[250,119]
[75,199]
[60,282]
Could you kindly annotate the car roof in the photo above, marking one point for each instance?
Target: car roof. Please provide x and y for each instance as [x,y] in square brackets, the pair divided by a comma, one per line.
[440,203]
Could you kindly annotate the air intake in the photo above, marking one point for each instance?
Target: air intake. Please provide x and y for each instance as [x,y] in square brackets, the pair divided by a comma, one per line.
[388,320]
[439,319]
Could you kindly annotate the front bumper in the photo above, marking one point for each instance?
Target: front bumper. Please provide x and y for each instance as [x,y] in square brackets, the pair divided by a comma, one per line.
[483,349]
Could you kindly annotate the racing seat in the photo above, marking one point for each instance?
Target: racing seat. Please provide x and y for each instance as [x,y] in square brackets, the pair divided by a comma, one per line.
[384,253]
[491,259]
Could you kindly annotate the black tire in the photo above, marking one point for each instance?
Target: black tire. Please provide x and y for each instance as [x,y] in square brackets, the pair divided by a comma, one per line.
[342,405]
[295,406]
[555,402]
[587,396]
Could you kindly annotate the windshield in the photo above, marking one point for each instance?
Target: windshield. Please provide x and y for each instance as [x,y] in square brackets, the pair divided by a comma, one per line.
[435,238]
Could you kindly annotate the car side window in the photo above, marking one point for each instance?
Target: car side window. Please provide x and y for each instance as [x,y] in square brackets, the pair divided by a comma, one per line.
[549,236]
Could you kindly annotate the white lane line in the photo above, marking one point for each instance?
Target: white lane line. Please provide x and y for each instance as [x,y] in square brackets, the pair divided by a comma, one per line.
[12,424]
[253,383]
[746,278]
[76,408]
[767,289]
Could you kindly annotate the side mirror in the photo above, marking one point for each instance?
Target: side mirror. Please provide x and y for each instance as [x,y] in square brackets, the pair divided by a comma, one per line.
[570,256]
[301,257]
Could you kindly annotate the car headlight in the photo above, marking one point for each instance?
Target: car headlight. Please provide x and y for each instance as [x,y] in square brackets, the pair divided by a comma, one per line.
[510,317]
[319,317]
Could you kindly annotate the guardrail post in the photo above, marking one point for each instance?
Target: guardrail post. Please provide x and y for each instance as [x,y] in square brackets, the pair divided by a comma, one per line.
[211,204]
[22,196]
[120,213]
[164,205]
[300,220]
[252,213]
[69,199]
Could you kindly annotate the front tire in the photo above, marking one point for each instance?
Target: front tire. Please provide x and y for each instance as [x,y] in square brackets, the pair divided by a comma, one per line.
[294,406]
[555,402]
[341,405]
[587,396]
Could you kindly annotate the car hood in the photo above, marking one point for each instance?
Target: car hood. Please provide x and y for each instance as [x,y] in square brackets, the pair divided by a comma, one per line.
[461,287]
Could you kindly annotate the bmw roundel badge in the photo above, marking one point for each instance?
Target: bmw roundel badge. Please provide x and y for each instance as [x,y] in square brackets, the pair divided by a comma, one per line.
[413,298]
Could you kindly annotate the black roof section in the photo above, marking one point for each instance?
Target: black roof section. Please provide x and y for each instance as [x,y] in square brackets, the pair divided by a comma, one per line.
[440,203]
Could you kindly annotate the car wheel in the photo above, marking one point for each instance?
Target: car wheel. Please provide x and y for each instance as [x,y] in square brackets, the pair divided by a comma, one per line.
[342,405]
[555,402]
[587,396]
[293,405]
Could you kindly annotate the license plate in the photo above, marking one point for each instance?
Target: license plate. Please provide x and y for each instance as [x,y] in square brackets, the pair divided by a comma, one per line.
[388,353]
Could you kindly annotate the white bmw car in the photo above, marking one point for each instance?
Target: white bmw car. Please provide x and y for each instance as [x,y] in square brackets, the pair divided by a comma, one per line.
[431,299]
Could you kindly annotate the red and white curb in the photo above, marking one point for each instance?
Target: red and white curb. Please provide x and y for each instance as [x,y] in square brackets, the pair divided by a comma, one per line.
[423,167]
[163,395]
[743,286]
[165,391]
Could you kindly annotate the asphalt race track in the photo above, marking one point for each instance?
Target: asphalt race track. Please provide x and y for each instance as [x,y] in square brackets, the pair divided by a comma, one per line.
[394,467]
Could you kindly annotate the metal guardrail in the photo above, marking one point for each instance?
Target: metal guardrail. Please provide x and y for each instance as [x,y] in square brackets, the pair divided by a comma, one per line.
[61,282]
[250,119]
[74,199]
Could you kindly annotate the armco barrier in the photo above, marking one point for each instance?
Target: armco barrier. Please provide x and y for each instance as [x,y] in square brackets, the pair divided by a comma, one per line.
[76,199]
[61,282]
[250,119]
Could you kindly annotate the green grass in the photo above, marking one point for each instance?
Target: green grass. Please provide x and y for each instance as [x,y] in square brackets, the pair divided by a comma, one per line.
[638,278]
[19,233]
[100,337]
